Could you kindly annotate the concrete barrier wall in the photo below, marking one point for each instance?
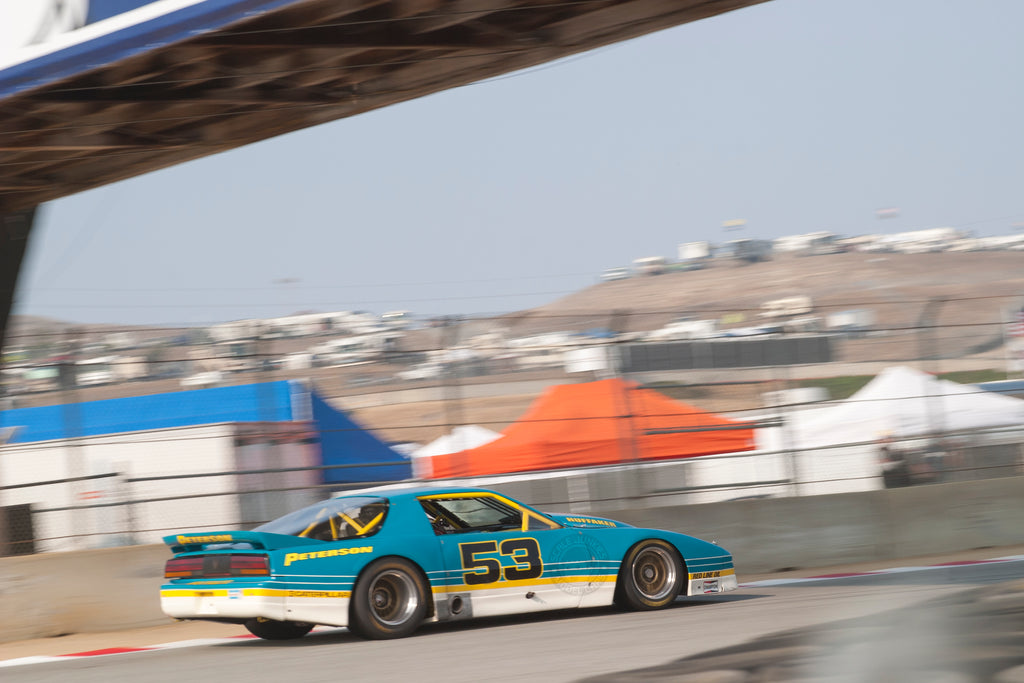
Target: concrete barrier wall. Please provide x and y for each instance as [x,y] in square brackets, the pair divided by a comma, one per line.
[117,588]
[53,594]
[818,531]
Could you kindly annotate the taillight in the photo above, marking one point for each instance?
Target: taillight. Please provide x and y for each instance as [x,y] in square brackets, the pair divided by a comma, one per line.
[200,566]
[183,567]
[250,565]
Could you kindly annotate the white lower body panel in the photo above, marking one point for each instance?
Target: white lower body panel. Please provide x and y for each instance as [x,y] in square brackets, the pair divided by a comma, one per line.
[712,582]
[310,606]
[222,603]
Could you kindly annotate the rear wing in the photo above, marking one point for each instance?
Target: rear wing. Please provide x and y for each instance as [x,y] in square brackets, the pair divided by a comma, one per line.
[259,540]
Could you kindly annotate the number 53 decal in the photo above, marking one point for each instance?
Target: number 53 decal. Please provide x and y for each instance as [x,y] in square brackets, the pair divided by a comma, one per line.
[525,552]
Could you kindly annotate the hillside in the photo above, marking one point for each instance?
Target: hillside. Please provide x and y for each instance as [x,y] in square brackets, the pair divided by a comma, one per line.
[895,285]
[978,288]
[975,288]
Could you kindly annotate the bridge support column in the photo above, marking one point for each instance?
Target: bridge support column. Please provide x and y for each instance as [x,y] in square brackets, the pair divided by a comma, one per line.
[15,227]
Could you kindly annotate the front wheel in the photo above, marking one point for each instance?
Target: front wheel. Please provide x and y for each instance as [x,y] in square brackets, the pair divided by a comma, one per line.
[389,600]
[271,629]
[650,576]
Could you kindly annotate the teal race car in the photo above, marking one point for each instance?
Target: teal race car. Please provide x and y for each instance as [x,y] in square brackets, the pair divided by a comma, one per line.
[384,561]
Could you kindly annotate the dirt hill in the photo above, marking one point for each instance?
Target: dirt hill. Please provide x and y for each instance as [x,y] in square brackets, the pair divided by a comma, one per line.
[976,291]
[943,305]
[978,286]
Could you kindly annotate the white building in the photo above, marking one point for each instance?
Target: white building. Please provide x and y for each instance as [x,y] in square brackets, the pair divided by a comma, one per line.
[801,242]
[236,330]
[140,491]
[650,265]
[684,329]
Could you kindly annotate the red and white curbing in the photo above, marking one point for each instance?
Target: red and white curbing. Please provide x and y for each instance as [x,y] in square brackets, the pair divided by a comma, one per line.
[40,659]
[765,583]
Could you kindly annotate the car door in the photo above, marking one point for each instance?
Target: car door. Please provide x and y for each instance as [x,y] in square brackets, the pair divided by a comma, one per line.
[503,558]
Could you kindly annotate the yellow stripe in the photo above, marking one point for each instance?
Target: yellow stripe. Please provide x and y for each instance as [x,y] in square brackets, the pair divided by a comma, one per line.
[255,592]
[318,594]
[280,593]
[712,574]
[462,494]
[549,581]
[217,593]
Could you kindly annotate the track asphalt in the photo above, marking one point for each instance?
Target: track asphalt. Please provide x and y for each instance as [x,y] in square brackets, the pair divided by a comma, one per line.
[965,605]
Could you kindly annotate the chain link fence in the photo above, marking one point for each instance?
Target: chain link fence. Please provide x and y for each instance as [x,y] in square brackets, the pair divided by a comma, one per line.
[414,385]
[114,509]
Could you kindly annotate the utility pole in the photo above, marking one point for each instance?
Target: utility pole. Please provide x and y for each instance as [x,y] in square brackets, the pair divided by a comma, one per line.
[926,324]
[68,378]
[452,389]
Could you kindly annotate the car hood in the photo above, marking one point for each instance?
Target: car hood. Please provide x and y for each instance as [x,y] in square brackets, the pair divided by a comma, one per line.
[586,521]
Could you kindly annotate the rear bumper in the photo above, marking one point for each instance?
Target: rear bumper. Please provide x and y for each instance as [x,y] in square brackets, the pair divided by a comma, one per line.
[191,601]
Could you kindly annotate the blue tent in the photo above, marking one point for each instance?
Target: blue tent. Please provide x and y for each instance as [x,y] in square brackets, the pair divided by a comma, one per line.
[342,441]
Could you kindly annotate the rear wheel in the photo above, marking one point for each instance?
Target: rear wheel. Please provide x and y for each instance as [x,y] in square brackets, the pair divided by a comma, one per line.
[389,600]
[650,576]
[271,629]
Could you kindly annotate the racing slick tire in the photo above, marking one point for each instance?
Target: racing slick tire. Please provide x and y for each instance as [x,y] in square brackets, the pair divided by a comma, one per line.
[389,600]
[650,577]
[271,629]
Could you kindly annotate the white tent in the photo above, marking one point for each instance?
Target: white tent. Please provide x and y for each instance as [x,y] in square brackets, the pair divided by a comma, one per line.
[461,438]
[900,402]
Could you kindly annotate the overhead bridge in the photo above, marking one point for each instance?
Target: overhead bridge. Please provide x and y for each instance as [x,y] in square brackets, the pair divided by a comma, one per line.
[212,75]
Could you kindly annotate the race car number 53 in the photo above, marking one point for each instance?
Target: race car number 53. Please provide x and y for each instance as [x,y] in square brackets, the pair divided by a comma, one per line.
[525,553]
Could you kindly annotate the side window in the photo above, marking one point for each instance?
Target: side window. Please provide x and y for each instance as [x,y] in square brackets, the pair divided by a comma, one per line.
[333,519]
[485,512]
[534,523]
[364,520]
[440,522]
[478,513]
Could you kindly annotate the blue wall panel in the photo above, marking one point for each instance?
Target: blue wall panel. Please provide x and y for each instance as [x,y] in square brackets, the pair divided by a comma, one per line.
[267,402]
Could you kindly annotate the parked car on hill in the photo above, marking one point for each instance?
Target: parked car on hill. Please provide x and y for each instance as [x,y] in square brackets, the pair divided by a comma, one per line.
[613,274]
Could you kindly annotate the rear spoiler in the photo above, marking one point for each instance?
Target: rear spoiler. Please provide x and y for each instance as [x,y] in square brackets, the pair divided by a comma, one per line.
[259,540]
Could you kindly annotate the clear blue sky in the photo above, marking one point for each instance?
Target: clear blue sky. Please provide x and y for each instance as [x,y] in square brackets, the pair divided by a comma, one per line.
[796,115]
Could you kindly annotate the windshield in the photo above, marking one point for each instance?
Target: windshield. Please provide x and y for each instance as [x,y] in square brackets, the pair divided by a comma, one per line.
[333,519]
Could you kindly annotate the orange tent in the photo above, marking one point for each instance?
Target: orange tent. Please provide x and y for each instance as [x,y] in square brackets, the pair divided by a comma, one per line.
[598,423]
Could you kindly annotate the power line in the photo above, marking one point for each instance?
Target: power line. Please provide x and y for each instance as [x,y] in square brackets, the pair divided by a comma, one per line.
[425,283]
